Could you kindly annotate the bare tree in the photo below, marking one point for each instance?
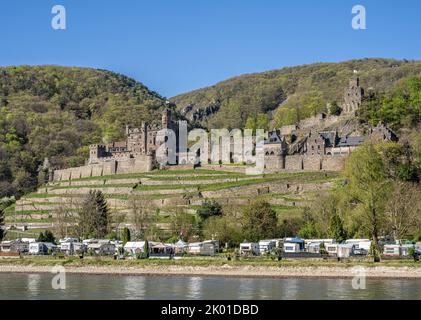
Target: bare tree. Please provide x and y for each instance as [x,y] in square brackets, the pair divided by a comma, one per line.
[403,209]
[64,217]
[141,217]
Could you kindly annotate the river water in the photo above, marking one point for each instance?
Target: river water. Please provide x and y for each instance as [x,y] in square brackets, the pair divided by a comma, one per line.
[99,287]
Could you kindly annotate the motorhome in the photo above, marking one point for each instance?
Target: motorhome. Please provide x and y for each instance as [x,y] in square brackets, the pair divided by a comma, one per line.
[361,246]
[345,250]
[314,247]
[41,248]
[392,250]
[332,249]
[290,247]
[101,248]
[266,246]
[201,249]
[249,249]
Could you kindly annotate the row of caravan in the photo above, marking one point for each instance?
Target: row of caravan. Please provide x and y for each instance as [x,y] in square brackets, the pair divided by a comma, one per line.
[350,247]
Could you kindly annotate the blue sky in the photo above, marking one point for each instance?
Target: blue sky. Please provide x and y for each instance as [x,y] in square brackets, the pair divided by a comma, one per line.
[174,46]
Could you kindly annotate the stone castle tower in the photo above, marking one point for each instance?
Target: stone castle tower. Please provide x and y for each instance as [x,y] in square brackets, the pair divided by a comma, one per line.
[353,96]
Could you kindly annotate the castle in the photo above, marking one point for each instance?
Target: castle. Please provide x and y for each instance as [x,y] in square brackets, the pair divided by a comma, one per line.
[316,150]
[140,143]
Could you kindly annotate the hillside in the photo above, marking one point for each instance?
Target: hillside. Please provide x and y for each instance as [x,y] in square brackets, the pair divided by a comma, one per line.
[57,112]
[162,198]
[303,89]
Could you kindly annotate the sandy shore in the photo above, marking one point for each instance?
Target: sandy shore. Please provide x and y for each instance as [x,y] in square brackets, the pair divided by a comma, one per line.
[380,272]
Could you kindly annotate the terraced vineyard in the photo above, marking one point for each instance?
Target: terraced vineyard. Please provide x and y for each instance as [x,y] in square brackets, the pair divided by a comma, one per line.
[164,192]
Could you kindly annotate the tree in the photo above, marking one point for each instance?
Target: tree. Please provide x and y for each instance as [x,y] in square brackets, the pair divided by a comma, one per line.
[368,185]
[336,229]
[64,217]
[403,210]
[259,221]
[2,231]
[183,224]
[335,109]
[94,218]
[222,228]
[146,249]
[209,209]
[126,236]
[141,217]
[47,236]
[257,121]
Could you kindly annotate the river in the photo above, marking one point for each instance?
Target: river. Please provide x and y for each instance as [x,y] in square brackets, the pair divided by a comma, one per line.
[99,287]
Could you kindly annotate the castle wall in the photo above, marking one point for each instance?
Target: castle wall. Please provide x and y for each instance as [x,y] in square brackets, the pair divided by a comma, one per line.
[332,163]
[108,168]
[312,163]
[294,163]
[274,163]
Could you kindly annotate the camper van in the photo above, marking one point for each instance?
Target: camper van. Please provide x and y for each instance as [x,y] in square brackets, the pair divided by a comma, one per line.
[201,249]
[249,249]
[70,247]
[314,247]
[392,250]
[266,246]
[332,249]
[40,248]
[345,250]
[361,246]
[290,247]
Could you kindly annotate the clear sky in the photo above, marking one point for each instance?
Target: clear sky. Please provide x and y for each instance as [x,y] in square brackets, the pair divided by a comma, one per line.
[174,46]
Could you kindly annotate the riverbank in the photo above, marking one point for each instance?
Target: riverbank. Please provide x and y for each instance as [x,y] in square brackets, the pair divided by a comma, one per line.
[385,270]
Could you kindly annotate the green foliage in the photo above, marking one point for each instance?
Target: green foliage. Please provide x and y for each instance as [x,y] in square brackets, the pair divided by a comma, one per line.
[259,221]
[400,107]
[336,229]
[257,121]
[94,217]
[296,92]
[126,236]
[223,228]
[56,112]
[183,224]
[47,236]
[145,253]
[209,208]
[368,186]
[335,109]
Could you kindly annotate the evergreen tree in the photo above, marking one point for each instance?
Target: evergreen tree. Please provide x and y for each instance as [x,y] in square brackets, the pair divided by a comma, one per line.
[126,236]
[94,217]
[47,236]
[146,249]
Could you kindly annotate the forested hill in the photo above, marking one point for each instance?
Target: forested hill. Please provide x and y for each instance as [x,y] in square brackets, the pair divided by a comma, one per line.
[57,112]
[303,90]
